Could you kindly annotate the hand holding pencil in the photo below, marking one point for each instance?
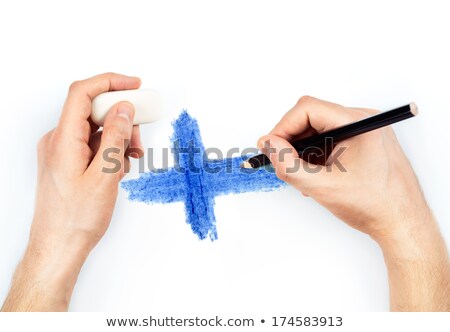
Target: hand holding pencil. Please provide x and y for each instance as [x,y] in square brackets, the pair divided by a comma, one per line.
[372,188]
[365,160]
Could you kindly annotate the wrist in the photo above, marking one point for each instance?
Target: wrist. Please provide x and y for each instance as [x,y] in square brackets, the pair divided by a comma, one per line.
[418,266]
[417,239]
[35,288]
[49,270]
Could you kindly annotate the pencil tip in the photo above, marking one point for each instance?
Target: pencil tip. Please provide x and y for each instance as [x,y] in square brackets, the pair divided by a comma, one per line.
[413,108]
[246,164]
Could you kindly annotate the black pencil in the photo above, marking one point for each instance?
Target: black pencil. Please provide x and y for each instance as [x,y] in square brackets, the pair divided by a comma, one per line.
[341,133]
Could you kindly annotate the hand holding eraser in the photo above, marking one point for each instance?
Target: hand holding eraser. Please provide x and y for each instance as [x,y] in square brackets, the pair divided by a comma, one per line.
[148,105]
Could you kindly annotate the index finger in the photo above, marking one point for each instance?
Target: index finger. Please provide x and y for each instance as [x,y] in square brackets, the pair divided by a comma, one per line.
[77,107]
[310,112]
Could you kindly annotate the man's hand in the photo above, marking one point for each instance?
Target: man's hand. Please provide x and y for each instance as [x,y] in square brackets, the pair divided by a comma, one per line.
[75,197]
[368,182]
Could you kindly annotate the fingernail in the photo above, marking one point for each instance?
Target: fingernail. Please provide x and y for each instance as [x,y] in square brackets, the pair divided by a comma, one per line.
[125,110]
[134,155]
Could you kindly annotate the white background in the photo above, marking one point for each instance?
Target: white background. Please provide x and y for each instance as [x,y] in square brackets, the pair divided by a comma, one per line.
[237,66]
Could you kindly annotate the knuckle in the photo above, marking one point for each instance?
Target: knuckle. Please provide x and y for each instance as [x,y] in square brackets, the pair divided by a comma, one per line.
[378,137]
[304,100]
[44,142]
[114,130]
[109,74]
[115,134]
[76,85]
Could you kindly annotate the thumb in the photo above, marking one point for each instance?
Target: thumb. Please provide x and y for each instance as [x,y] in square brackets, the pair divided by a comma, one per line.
[289,167]
[108,163]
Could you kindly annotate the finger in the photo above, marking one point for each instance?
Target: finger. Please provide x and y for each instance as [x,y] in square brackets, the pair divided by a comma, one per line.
[94,126]
[108,165]
[126,164]
[135,148]
[94,141]
[308,132]
[368,111]
[77,107]
[289,167]
[310,112]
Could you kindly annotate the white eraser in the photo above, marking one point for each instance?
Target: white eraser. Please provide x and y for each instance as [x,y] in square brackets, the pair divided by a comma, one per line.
[148,105]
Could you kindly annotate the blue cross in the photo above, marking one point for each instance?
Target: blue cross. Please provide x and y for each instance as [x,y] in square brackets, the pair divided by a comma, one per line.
[196,180]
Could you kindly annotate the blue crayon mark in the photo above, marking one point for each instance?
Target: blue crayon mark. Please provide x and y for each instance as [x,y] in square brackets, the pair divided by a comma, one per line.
[196,180]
